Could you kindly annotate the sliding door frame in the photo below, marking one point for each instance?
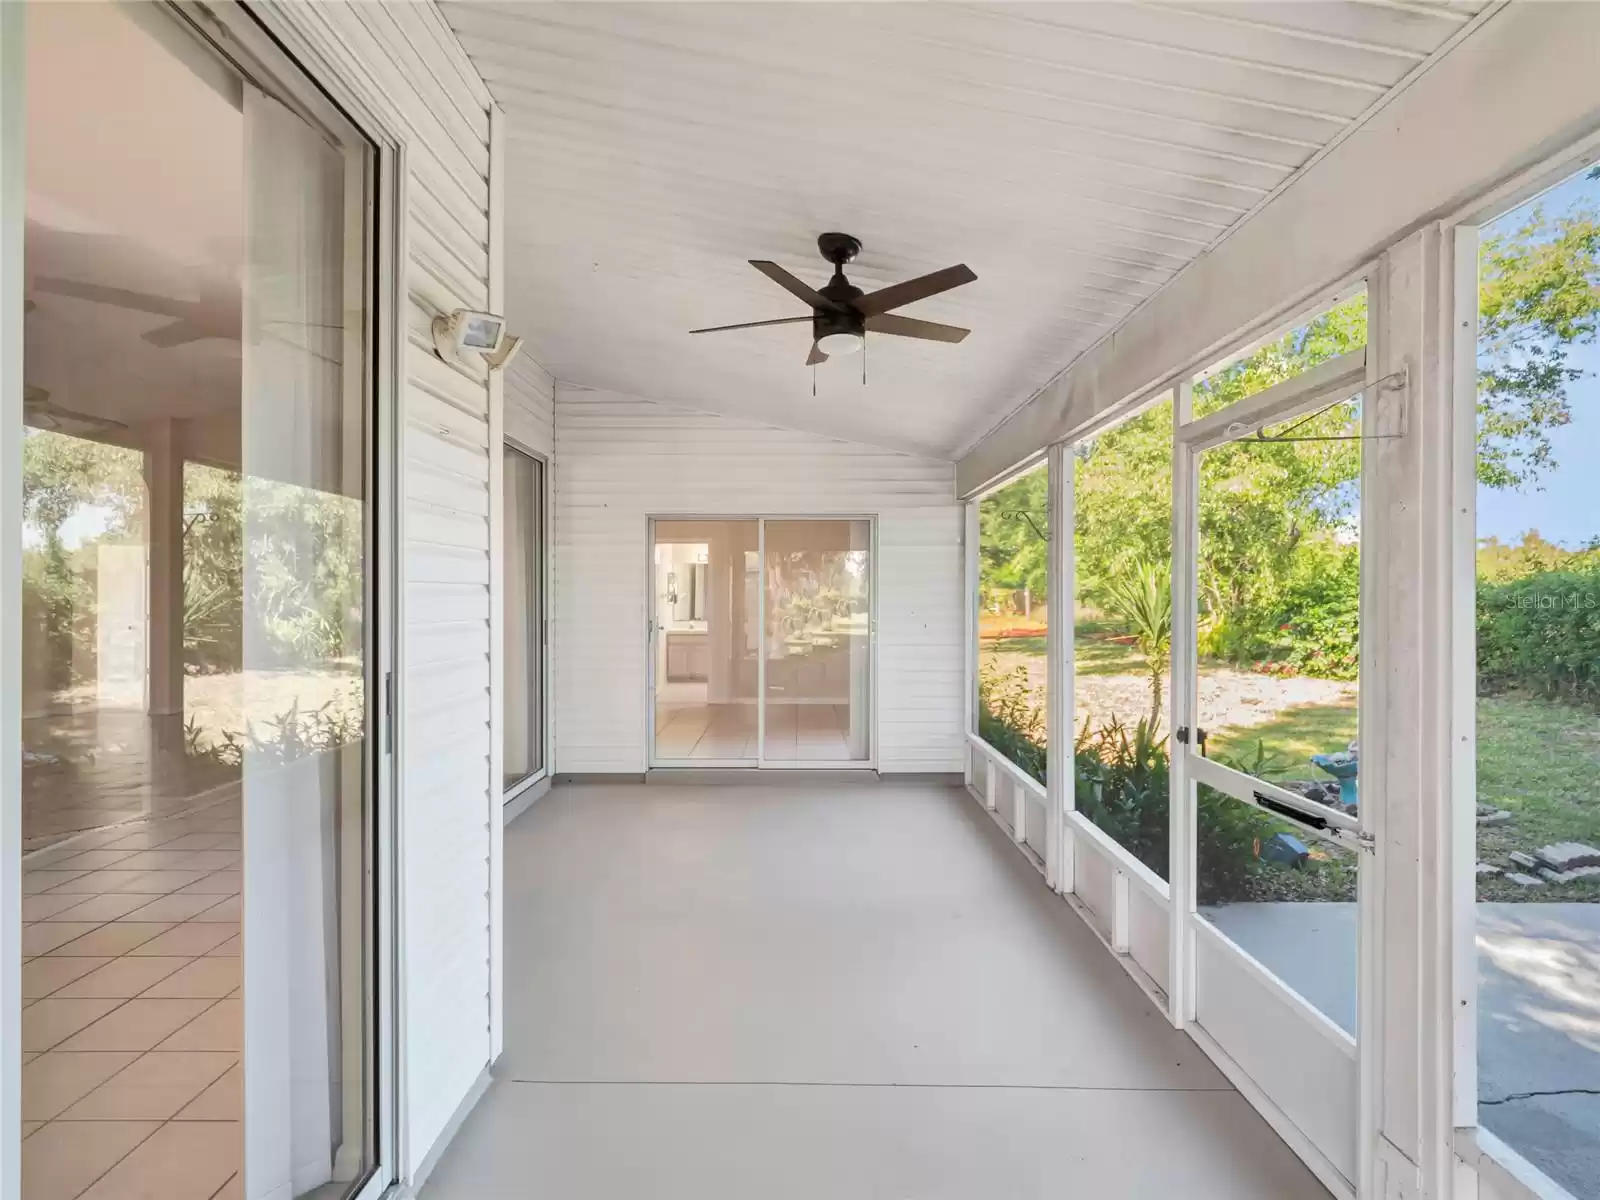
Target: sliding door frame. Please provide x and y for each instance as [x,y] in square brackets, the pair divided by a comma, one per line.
[270,50]
[760,760]
[542,576]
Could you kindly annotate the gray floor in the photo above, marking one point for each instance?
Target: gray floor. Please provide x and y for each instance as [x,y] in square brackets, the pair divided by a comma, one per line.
[1538,1013]
[851,991]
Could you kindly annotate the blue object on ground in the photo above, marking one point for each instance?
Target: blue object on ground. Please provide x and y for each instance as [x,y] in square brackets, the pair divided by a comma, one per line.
[1286,849]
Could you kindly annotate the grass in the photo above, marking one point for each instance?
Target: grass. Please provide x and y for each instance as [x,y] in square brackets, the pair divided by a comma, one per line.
[1100,655]
[1015,645]
[1293,736]
[1540,761]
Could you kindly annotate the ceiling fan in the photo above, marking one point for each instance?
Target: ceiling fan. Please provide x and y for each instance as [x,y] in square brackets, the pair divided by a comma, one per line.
[215,314]
[842,314]
[40,412]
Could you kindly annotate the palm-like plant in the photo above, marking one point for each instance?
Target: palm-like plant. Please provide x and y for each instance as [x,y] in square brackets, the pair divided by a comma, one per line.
[1142,599]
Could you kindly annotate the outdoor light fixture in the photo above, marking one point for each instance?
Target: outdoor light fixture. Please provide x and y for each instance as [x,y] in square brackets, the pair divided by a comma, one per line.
[502,357]
[485,333]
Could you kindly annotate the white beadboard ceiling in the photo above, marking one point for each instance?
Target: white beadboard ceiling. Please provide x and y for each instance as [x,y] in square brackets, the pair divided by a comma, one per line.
[1075,155]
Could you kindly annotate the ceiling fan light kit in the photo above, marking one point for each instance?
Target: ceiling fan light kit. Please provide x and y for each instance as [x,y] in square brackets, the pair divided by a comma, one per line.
[842,314]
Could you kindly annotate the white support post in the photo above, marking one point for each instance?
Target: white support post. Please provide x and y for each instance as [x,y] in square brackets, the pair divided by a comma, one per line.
[1059,696]
[12,200]
[1463,1003]
[1181,707]
[163,476]
[969,553]
[496,414]
[1120,917]
[1019,811]
[1407,997]
[991,774]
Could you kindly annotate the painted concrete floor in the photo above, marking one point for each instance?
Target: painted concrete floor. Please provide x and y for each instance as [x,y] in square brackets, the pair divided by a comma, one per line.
[847,991]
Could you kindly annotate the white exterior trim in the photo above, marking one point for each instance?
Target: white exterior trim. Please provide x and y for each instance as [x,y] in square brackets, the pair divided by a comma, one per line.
[494,797]
[12,222]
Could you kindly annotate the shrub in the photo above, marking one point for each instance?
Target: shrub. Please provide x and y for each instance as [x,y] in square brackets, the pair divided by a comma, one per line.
[1122,786]
[1009,720]
[1541,633]
[1309,625]
[1120,782]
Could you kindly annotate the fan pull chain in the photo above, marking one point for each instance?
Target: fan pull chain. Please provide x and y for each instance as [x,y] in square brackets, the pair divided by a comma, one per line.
[863,360]
[813,381]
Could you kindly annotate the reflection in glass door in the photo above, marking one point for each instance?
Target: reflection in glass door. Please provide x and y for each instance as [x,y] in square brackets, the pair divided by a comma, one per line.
[761,646]
[201,645]
[817,659]
[706,626]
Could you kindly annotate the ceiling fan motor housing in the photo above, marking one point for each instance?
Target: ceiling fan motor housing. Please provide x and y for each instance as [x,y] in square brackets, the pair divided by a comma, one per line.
[844,319]
[838,248]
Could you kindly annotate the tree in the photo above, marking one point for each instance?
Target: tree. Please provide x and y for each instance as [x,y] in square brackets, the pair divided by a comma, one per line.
[65,476]
[62,475]
[1013,544]
[1142,599]
[1538,298]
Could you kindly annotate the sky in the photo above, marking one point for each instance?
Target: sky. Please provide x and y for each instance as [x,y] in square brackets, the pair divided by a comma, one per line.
[1564,506]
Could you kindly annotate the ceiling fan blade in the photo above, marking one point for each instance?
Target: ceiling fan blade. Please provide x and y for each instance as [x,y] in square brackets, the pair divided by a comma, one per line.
[928,331]
[120,297]
[921,288]
[751,324]
[179,333]
[816,356]
[794,286]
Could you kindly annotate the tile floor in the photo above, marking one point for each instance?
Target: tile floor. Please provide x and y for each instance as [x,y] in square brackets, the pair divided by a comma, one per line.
[131,1023]
[795,733]
[705,731]
[86,768]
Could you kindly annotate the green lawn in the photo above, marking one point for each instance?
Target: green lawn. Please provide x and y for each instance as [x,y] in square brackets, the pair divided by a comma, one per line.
[1290,739]
[1540,761]
[1015,645]
[1100,655]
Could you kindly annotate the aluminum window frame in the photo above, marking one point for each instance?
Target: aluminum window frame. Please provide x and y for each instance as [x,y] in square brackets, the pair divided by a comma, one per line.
[760,762]
[510,794]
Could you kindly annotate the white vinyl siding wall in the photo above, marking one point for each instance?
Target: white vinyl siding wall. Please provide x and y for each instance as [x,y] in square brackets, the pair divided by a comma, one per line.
[624,459]
[403,63]
[531,406]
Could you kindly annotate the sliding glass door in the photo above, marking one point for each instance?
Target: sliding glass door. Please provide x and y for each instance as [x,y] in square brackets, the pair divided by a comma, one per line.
[761,642]
[523,600]
[817,653]
[200,605]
